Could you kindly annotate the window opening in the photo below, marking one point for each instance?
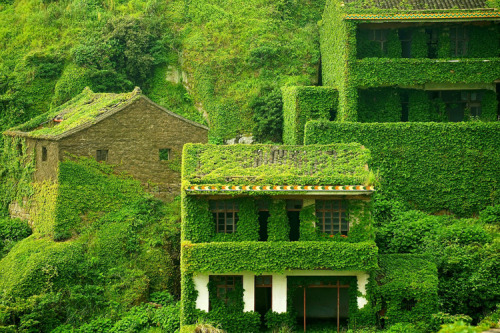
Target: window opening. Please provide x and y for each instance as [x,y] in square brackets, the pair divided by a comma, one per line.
[405,36]
[263,294]
[432,43]
[225,284]
[225,213]
[293,208]
[332,216]
[164,154]
[379,36]
[102,155]
[460,104]
[459,38]
[44,154]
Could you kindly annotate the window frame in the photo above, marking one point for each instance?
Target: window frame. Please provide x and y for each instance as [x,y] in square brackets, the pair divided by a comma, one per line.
[44,154]
[459,41]
[220,282]
[225,210]
[343,218]
[100,153]
[161,153]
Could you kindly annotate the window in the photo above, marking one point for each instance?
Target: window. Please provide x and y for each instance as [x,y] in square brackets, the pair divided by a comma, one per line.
[225,284]
[332,216]
[405,38]
[459,38]
[44,154]
[380,37]
[101,155]
[432,43]
[164,154]
[225,214]
[459,104]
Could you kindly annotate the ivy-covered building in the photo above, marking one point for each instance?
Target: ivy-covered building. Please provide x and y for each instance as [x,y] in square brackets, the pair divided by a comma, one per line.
[127,130]
[275,233]
[392,61]
[412,60]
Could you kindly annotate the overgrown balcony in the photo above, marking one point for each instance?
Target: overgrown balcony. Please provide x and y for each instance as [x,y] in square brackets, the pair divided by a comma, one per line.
[276,257]
[376,72]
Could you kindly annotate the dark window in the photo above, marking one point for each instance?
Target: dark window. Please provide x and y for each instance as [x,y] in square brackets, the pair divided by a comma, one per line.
[432,43]
[459,38]
[225,284]
[380,37]
[164,154]
[44,153]
[19,148]
[460,104]
[332,216]
[101,155]
[405,38]
[293,208]
[225,214]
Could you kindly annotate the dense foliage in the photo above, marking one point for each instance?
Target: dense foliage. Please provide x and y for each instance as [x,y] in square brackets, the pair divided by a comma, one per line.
[343,164]
[124,247]
[433,166]
[208,56]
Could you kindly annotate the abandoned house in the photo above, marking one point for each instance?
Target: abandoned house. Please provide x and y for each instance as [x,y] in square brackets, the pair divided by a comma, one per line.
[392,61]
[276,230]
[128,130]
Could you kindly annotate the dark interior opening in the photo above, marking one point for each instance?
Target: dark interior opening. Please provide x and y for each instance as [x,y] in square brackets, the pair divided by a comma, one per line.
[263,218]
[294,221]
[263,301]
[321,307]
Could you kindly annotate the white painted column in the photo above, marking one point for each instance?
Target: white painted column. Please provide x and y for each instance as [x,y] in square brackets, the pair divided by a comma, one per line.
[248,292]
[279,293]
[201,285]
[362,282]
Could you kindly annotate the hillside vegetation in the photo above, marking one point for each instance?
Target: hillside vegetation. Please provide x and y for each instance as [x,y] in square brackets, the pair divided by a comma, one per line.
[220,56]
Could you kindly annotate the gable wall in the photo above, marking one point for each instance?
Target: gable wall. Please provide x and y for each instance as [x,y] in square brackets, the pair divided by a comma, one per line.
[44,170]
[133,138]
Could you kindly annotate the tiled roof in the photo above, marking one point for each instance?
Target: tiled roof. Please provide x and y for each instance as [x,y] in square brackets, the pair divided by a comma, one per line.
[421,4]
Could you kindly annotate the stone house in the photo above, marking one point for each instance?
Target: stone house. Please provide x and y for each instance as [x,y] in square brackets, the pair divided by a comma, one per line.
[128,130]
[275,231]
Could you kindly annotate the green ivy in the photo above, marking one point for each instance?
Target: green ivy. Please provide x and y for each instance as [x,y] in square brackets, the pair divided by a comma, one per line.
[406,287]
[275,165]
[278,228]
[16,172]
[301,104]
[248,224]
[308,220]
[276,257]
[432,166]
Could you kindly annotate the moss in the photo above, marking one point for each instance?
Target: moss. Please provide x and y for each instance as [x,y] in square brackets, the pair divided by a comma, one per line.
[83,108]
[275,165]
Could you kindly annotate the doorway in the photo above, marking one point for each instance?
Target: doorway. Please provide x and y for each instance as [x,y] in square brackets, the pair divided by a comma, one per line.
[322,305]
[263,295]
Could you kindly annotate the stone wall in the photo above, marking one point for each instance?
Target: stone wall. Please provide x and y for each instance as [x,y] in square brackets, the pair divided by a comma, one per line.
[18,211]
[133,138]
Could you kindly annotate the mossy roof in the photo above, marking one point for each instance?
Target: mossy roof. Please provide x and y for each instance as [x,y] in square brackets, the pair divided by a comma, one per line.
[82,111]
[335,164]
[421,4]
